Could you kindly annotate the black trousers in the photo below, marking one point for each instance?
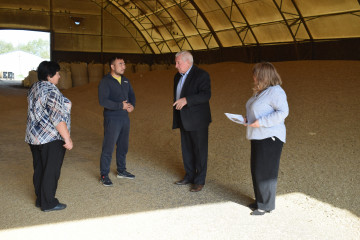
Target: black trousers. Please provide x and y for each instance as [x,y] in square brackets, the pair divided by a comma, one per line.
[47,161]
[116,132]
[194,146]
[265,160]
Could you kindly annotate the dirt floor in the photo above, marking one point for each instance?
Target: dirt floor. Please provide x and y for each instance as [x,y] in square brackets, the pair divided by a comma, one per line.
[318,186]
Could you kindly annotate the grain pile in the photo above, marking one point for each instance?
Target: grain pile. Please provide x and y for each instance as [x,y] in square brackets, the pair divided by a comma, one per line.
[318,184]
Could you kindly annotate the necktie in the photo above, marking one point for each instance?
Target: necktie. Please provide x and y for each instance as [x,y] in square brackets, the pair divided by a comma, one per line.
[179,87]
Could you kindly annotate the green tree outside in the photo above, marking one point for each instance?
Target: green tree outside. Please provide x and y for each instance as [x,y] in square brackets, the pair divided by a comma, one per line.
[38,47]
[6,47]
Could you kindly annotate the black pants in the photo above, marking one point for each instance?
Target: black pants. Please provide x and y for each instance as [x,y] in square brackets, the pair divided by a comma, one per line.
[47,162]
[116,132]
[194,146]
[265,160]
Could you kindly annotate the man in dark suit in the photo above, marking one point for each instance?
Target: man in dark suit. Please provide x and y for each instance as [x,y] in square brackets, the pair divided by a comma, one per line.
[191,113]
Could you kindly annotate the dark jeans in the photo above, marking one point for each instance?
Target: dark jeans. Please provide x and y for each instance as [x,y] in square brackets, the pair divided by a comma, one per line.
[116,132]
[265,160]
[47,161]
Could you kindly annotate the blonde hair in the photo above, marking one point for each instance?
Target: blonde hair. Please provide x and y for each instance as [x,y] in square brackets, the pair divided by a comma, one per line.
[266,75]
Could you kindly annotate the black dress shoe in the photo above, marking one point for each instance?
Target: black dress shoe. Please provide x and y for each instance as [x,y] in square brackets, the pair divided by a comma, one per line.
[60,206]
[259,212]
[182,182]
[253,206]
[196,188]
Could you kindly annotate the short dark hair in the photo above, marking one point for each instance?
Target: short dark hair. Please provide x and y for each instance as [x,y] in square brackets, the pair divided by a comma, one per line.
[112,60]
[47,68]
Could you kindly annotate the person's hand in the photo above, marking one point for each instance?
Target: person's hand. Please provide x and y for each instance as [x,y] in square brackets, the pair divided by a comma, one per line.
[126,105]
[68,144]
[245,122]
[130,108]
[255,124]
[179,104]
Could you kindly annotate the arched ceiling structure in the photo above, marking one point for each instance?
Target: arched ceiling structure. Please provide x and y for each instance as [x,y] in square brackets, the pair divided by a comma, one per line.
[167,26]
[170,25]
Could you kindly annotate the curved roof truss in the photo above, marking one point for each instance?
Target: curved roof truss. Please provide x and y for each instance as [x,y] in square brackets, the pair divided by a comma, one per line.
[167,26]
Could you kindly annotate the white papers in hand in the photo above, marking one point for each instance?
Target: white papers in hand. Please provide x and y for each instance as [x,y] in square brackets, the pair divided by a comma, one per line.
[236,118]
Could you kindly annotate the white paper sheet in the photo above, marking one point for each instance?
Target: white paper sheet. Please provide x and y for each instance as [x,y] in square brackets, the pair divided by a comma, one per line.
[236,118]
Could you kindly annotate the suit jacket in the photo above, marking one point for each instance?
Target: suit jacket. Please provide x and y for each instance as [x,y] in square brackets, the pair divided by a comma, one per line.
[196,114]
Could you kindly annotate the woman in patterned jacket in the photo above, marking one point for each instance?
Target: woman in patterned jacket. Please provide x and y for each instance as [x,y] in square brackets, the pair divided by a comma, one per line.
[48,134]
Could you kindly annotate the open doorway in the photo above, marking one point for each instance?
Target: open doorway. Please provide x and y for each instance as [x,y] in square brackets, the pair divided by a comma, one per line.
[22,51]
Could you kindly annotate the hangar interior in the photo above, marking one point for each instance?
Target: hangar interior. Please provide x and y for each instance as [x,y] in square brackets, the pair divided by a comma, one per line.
[315,46]
[150,31]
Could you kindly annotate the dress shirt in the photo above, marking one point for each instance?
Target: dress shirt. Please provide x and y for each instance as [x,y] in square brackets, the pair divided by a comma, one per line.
[181,83]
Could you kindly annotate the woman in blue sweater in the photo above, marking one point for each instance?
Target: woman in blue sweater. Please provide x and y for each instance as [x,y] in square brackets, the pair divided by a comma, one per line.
[266,111]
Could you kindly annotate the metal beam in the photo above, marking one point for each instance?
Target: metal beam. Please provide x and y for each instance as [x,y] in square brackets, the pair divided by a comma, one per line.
[231,22]
[302,20]
[246,21]
[100,4]
[202,15]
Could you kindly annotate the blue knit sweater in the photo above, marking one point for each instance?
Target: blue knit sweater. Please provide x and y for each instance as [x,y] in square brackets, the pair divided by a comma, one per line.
[270,107]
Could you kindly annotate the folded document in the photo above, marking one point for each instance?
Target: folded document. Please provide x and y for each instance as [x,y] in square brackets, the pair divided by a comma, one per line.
[236,118]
